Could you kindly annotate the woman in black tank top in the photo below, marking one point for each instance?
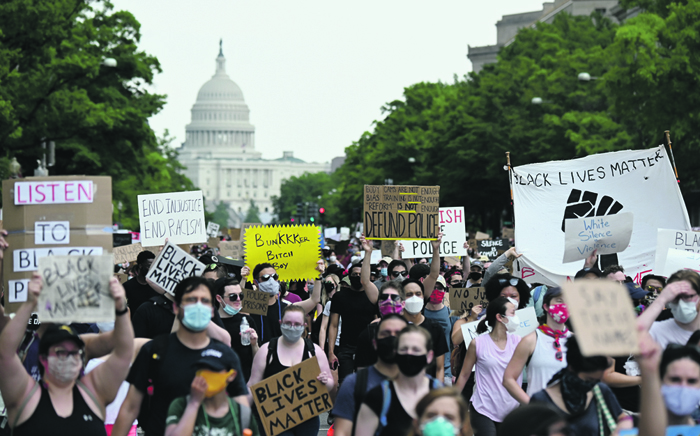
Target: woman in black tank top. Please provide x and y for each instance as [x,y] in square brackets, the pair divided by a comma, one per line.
[64,402]
[286,351]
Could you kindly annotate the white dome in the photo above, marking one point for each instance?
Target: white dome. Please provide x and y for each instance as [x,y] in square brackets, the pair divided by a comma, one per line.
[220,88]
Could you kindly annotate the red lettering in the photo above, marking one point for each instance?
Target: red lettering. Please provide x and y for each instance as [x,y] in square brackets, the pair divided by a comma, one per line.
[85,188]
[18,187]
[43,196]
[30,193]
[53,191]
[442,221]
[458,216]
[66,191]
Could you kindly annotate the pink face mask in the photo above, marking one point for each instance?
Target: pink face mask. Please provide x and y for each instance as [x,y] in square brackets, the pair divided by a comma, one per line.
[389,306]
[559,313]
[437,296]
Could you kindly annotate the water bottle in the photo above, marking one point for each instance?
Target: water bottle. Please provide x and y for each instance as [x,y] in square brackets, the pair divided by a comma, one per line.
[245,336]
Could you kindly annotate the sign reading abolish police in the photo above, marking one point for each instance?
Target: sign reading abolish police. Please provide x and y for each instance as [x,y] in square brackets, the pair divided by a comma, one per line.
[291,397]
[453,238]
[401,212]
[176,216]
[171,266]
[546,194]
[292,250]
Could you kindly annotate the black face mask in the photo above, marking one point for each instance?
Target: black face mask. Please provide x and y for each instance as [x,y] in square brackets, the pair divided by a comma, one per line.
[330,286]
[475,276]
[411,365]
[386,349]
[356,282]
[574,390]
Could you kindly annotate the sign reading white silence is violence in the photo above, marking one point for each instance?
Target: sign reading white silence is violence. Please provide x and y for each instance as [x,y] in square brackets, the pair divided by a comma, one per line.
[546,194]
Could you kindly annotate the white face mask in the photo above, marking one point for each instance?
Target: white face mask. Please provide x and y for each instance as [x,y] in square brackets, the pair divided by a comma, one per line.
[414,305]
[332,259]
[64,371]
[512,324]
[684,311]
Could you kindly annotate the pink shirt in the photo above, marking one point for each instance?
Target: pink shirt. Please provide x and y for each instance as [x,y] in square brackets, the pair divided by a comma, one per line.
[490,398]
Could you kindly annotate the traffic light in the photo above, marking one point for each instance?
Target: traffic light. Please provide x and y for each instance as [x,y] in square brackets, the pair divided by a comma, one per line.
[311,211]
[321,214]
[292,219]
[300,209]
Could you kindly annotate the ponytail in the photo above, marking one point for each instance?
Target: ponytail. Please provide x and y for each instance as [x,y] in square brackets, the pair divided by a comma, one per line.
[495,307]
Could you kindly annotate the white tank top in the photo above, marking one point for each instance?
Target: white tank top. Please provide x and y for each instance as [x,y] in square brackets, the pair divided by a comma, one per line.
[543,363]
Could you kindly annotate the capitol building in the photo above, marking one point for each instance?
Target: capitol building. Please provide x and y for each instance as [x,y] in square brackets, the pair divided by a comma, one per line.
[220,156]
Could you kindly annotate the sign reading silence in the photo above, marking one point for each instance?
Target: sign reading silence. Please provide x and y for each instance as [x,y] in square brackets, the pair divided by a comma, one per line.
[607,234]
[176,216]
[292,250]
[401,212]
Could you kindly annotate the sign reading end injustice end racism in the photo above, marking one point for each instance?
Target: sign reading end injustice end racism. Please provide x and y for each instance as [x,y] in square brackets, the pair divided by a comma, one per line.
[401,212]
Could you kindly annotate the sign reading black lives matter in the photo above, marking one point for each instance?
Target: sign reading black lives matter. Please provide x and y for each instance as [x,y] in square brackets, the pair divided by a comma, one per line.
[401,212]
[291,397]
[175,216]
[76,289]
[172,265]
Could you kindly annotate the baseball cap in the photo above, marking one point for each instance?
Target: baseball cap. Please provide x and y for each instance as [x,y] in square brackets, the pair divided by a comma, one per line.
[477,264]
[483,258]
[57,333]
[387,259]
[442,281]
[636,293]
[215,360]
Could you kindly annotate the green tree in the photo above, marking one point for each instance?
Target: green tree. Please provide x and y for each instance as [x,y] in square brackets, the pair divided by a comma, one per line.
[253,214]
[318,188]
[221,214]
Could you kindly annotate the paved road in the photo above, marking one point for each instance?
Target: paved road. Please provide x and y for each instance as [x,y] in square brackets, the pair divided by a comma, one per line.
[324,426]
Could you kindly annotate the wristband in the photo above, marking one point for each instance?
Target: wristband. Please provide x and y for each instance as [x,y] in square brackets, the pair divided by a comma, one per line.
[121,312]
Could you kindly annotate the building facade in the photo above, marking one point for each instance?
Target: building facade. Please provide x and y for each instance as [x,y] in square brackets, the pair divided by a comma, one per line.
[220,156]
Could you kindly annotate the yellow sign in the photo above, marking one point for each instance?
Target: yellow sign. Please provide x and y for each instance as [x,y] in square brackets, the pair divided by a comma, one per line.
[292,250]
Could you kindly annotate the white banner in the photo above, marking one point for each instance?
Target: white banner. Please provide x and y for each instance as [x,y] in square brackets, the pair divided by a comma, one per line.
[546,194]
[677,240]
[453,239]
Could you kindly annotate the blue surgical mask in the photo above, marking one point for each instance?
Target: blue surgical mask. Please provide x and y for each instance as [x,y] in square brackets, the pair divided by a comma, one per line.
[230,310]
[681,400]
[197,317]
[384,272]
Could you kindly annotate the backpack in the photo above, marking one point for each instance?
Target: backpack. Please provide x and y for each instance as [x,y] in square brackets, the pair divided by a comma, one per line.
[457,358]
[386,401]
[361,380]
[309,349]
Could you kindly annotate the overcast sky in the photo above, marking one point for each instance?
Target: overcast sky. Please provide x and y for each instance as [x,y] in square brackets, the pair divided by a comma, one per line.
[314,74]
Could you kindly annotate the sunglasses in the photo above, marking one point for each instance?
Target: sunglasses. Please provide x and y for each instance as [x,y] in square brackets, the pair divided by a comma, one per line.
[398,273]
[267,277]
[235,297]
[65,354]
[512,282]
[559,354]
[654,288]
[212,266]
[394,297]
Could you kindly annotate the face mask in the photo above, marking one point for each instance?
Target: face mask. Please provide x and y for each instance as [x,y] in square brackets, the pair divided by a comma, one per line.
[64,371]
[196,317]
[356,282]
[474,277]
[414,305]
[559,313]
[230,310]
[512,324]
[574,390]
[216,381]
[389,306]
[271,286]
[684,311]
[437,296]
[439,426]
[332,259]
[310,288]
[330,286]
[384,272]
[411,365]
[681,400]
[386,349]
[292,334]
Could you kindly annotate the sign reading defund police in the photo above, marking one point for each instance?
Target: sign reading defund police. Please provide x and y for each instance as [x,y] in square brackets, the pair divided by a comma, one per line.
[172,265]
[401,212]
[291,397]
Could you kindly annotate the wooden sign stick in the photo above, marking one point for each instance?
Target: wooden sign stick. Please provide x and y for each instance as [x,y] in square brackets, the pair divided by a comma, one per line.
[667,133]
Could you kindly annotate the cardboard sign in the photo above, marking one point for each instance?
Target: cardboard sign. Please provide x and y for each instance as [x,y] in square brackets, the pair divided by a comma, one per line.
[454,236]
[507,233]
[26,259]
[245,226]
[401,212]
[291,397]
[76,289]
[177,216]
[473,245]
[292,250]
[232,249]
[388,248]
[127,253]
[212,229]
[676,239]
[171,266]
[603,317]
[492,247]
[255,302]
[213,242]
[53,192]
[680,259]
[482,235]
[466,298]
[607,234]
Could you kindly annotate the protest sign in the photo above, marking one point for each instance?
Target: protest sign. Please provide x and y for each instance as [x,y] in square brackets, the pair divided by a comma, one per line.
[606,234]
[481,235]
[528,321]
[388,248]
[212,229]
[51,232]
[127,253]
[213,242]
[171,266]
[291,397]
[76,289]
[330,232]
[122,277]
[473,245]
[680,259]
[374,258]
[546,194]
[255,302]
[232,249]
[603,317]
[344,233]
[466,298]
[507,233]
[176,216]
[292,250]
[245,226]
[401,212]
[676,239]
[454,236]
[492,248]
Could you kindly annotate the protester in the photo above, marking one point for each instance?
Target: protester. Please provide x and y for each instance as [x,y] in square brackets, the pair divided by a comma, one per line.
[615,273]
[229,297]
[490,353]
[389,409]
[653,283]
[499,264]
[355,387]
[437,312]
[283,352]
[441,412]
[505,285]
[214,272]
[578,392]
[535,419]
[138,291]
[35,407]
[331,284]
[208,410]
[544,350]
[165,365]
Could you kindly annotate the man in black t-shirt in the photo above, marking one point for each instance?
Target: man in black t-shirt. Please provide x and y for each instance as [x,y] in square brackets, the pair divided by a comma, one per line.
[357,307]
[168,361]
[138,291]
